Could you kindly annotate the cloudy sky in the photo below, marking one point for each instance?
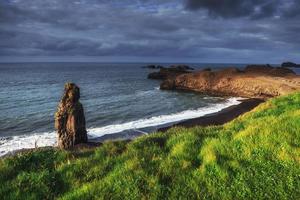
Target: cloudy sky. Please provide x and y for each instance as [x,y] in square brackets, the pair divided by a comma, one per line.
[230,31]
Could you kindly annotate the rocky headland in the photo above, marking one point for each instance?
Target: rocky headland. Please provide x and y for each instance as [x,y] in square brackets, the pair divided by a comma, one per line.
[255,81]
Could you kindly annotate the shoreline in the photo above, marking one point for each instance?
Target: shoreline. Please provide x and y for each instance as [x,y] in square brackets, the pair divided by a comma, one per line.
[219,118]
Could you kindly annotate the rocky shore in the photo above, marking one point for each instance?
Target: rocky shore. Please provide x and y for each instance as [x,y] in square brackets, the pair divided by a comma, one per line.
[255,81]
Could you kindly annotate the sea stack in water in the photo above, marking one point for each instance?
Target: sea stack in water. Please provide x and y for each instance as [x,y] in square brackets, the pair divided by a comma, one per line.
[69,118]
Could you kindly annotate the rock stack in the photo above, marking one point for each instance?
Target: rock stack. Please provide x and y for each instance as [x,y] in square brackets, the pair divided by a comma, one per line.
[69,118]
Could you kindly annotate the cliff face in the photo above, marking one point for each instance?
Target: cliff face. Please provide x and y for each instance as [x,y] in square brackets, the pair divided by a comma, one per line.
[70,119]
[253,82]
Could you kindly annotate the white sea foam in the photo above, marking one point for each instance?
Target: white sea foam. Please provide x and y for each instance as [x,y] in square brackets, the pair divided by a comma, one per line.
[13,143]
[162,119]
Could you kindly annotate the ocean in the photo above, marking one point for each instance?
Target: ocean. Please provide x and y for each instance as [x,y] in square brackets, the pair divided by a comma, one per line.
[118,99]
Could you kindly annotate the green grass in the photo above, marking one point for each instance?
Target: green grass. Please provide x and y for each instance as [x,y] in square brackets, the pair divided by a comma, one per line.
[256,156]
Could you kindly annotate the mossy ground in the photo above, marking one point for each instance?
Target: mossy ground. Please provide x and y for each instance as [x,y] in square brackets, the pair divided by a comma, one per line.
[256,156]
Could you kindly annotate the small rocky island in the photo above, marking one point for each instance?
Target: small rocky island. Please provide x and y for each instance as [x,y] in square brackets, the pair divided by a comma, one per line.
[70,119]
[290,65]
[170,72]
[255,81]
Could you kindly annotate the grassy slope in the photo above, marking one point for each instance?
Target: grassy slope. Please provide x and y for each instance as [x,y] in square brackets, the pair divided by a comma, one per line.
[256,156]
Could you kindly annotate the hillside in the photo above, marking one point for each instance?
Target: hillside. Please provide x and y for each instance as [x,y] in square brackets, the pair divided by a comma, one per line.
[256,156]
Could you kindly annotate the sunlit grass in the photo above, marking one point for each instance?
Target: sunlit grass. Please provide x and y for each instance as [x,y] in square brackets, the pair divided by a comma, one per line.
[256,156]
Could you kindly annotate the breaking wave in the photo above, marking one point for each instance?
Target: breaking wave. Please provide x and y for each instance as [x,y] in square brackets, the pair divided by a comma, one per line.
[13,143]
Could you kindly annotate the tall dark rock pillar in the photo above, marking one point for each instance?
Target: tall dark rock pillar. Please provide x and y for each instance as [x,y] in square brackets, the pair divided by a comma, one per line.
[69,118]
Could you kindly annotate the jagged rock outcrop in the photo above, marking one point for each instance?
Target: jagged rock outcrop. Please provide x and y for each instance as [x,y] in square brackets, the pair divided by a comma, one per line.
[170,72]
[181,67]
[153,66]
[70,119]
[253,82]
[268,70]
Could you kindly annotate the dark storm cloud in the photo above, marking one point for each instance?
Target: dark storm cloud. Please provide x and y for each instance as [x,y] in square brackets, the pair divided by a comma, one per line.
[33,43]
[246,8]
[207,30]
[226,8]
[292,10]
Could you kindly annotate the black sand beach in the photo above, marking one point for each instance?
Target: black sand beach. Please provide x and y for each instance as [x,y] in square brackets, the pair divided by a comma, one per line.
[217,118]
[221,117]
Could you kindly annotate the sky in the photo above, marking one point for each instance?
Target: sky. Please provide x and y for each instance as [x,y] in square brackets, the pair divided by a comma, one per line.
[215,31]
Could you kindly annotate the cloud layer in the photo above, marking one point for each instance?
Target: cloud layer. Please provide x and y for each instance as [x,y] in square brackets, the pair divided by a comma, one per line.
[202,30]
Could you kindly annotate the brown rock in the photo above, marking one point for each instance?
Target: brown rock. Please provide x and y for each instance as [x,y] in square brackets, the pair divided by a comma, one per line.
[269,70]
[258,68]
[253,82]
[69,118]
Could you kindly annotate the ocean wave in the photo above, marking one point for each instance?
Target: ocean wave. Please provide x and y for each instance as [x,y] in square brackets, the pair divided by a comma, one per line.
[145,92]
[162,119]
[14,143]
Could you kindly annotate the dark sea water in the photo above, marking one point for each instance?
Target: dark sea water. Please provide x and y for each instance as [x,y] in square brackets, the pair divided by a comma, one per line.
[117,98]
